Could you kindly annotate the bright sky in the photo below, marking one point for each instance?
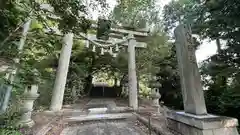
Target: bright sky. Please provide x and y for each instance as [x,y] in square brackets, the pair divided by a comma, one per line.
[207,48]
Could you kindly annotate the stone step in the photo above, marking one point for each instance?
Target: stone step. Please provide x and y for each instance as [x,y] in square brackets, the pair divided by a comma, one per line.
[97,110]
[120,110]
[96,117]
[78,112]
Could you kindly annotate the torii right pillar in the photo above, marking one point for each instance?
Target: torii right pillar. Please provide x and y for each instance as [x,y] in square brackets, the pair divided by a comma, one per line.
[194,120]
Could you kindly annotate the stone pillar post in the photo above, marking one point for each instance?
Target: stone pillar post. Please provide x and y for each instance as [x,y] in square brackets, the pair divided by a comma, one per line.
[26,27]
[61,77]
[6,89]
[28,98]
[5,93]
[192,90]
[194,120]
[132,77]
[25,30]
[23,38]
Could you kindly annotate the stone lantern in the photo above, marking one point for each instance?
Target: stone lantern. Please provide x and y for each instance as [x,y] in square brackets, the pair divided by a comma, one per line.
[125,87]
[155,95]
[28,97]
[126,90]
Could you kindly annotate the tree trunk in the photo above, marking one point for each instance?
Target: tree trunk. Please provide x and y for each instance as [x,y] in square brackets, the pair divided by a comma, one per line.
[218,45]
[138,86]
[74,94]
[88,85]
[223,78]
[115,81]
[122,80]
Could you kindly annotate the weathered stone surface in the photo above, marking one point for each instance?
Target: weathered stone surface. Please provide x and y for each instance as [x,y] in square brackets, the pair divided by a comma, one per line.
[60,81]
[192,91]
[160,129]
[187,124]
[105,128]
[132,77]
[195,120]
[26,27]
[95,117]
[6,89]
[120,110]
[28,98]
[97,110]
[5,92]
[226,131]
[101,103]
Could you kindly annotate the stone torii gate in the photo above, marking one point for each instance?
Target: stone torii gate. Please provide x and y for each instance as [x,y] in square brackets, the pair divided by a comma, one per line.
[194,120]
[118,37]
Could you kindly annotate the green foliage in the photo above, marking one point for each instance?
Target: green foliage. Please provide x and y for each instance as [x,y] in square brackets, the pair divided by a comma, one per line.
[70,15]
[9,132]
[12,14]
[170,80]
[182,11]
[103,29]
[45,93]
[39,57]
[223,24]
[9,119]
[222,96]
[135,13]
[148,59]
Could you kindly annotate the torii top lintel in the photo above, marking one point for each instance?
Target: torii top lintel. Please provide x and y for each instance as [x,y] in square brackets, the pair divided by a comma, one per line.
[121,30]
[106,34]
[105,29]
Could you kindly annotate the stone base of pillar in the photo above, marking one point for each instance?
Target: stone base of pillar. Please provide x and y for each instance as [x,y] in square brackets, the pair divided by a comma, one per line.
[188,124]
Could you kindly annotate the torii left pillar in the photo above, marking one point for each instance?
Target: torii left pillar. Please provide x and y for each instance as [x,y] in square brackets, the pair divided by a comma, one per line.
[132,76]
[61,77]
